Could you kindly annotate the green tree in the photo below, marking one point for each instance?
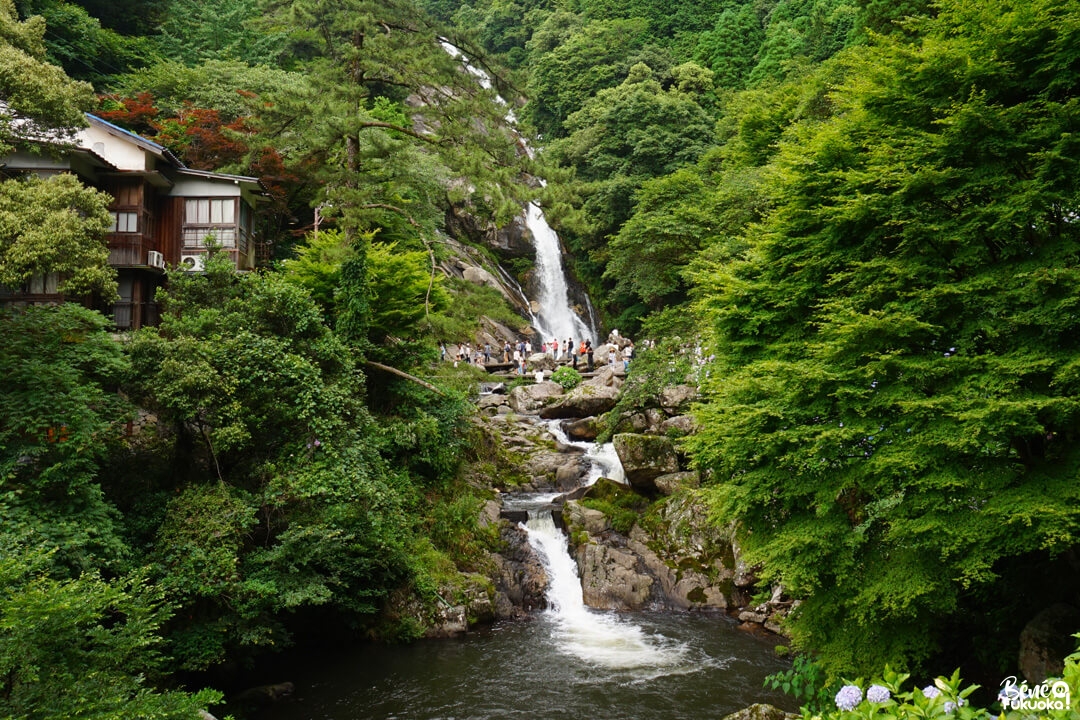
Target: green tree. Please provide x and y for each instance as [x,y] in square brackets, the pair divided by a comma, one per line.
[55,225]
[588,59]
[891,408]
[40,95]
[82,647]
[283,501]
[380,166]
[194,32]
[87,51]
[59,418]
[730,48]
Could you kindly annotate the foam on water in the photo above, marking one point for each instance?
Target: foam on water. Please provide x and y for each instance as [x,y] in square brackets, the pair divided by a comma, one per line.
[599,638]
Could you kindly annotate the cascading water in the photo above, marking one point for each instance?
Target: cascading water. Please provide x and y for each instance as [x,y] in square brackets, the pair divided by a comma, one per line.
[556,319]
[596,638]
[603,460]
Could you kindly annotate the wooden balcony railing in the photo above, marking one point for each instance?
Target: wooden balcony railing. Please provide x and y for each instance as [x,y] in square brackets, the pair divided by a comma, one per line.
[127,249]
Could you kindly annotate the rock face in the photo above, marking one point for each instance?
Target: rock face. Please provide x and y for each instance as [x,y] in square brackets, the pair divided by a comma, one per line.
[645,458]
[1046,640]
[521,581]
[610,580]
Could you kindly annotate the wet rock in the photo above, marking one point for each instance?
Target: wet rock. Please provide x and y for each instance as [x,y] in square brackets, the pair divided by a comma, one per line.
[609,579]
[521,577]
[761,711]
[645,458]
[263,694]
[584,429]
[754,617]
[571,474]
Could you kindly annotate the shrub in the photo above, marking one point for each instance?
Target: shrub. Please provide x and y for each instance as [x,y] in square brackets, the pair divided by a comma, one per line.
[567,376]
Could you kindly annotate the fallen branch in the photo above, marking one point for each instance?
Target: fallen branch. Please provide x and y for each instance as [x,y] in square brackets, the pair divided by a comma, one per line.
[405,375]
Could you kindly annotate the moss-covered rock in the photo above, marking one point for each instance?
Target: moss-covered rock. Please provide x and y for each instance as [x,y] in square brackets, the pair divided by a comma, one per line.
[645,458]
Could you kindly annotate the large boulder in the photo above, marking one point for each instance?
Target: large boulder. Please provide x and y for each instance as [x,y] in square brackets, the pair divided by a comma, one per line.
[604,377]
[541,361]
[680,425]
[520,579]
[584,429]
[610,579]
[1046,640]
[480,276]
[583,401]
[591,521]
[760,711]
[673,482]
[676,398]
[645,458]
[527,399]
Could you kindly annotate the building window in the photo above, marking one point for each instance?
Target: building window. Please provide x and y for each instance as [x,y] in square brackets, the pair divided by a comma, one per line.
[46,284]
[210,217]
[124,222]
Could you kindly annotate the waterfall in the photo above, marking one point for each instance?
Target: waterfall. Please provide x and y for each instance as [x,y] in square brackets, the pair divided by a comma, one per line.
[603,460]
[556,318]
[598,638]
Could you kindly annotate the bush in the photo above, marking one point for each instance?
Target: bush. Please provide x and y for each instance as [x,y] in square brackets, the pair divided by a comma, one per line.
[567,376]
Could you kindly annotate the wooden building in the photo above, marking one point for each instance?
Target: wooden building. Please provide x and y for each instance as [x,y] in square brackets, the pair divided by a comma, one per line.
[163,213]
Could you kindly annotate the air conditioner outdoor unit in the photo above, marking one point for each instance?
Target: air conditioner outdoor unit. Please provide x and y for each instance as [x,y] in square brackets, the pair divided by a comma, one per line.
[193,263]
[156,259]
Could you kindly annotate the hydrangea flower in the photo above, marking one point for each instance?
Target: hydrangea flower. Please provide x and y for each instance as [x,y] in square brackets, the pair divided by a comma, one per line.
[950,705]
[878,694]
[848,697]
[930,692]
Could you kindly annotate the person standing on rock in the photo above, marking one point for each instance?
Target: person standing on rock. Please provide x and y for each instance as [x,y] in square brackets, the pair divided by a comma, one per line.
[487,353]
[570,349]
[628,352]
[612,356]
[589,354]
[528,348]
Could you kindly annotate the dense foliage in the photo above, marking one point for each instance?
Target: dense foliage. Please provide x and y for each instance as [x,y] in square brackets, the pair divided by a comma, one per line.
[863,211]
[892,404]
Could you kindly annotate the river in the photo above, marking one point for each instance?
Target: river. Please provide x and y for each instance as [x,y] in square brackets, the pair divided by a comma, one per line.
[567,662]
[704,668]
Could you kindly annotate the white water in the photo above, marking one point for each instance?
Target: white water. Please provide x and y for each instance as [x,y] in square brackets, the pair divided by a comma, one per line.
[556,319]
[604,461]
[601,639]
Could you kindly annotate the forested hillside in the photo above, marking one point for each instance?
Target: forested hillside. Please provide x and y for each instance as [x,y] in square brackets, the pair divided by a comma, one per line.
[863,213]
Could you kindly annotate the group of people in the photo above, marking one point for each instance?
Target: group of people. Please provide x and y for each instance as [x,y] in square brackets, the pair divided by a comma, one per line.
[519,353]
